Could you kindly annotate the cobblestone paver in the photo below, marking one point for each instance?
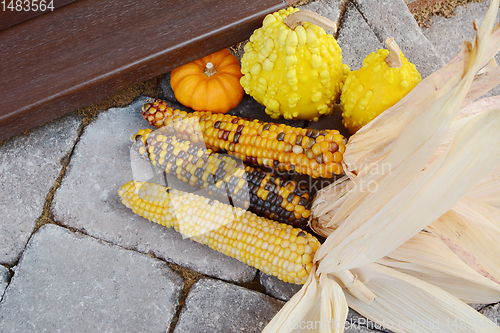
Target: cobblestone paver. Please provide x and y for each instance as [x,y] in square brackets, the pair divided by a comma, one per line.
[100,165]
[331,9]
[215,306]
[457,29]
[4,279]
[492,312]
[277,288]
[29,166]
[66,282]
[356,38]
[391,18]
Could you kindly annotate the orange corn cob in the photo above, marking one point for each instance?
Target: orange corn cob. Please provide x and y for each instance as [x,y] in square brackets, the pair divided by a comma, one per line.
[317,153]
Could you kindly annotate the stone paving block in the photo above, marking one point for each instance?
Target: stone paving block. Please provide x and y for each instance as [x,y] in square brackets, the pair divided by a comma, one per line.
[492,312]
[391,18]
[356,38]
[29,166]
[4,279]
[215,306]
[277,288]
[87,199]
[66,282]
[331,9]
[448,34]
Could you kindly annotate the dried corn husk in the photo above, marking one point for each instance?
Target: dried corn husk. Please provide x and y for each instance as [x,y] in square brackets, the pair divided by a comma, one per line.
[320,300]
[476,246]
[427,178]
[408,304]
[362,238]
[488,189]
[425,256]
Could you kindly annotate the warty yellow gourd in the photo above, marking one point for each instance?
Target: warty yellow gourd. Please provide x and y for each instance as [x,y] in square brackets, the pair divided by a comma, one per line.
[292,66]
[385,78]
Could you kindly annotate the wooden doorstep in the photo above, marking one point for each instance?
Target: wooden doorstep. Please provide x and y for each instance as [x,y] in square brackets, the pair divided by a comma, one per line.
[86,50]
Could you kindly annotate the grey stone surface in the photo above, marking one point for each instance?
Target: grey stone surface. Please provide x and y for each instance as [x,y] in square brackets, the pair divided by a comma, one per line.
[4,279]
[492,312]
[215,306]
[356,38]
[448,34]
[67,282]
[277,288]
[87,199]
[477,307]
[29,166]
[331,9]
[391,18]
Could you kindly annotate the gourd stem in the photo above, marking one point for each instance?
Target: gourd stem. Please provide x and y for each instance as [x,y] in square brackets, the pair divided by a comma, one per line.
[394,57]
[299,17]
[209,69]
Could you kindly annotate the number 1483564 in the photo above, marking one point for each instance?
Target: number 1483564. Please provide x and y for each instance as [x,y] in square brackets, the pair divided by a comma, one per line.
[27,5]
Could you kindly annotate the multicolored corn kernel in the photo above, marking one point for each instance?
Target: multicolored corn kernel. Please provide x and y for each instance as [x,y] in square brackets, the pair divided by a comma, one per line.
[263,193]
[274,248]
[317,153]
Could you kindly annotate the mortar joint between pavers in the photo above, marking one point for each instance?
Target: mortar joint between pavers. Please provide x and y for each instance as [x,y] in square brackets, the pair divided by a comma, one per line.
[486,306]
[375,32]
[9,279]
[343,10]
[189,277]
[47,216]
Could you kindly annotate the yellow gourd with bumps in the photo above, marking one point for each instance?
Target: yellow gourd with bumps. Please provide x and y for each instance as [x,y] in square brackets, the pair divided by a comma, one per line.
[293,67]
[385,78]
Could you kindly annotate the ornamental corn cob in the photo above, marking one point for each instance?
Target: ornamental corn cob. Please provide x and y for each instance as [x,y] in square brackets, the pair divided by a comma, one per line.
[274,248]
[250,188]
[303,150]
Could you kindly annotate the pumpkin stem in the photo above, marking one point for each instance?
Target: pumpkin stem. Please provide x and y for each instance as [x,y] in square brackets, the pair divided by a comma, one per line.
[394,57]
[299,17]
[209,69]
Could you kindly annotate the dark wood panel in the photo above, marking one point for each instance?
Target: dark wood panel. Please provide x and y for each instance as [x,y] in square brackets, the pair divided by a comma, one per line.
[91,49]
[9,17]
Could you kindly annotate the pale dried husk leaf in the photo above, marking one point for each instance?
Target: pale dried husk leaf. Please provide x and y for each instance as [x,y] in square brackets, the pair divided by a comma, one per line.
[408,304]
[462,117]
[477,247]
[319,300]
[405,190]
[482,214]
[425,256]
[364,238]
[488,189]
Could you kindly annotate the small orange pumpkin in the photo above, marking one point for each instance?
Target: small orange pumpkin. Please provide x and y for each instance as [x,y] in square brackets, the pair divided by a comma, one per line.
[211,83]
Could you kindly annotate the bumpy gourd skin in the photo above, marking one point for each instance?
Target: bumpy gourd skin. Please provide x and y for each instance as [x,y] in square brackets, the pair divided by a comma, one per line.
[375,87]
[295,73]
